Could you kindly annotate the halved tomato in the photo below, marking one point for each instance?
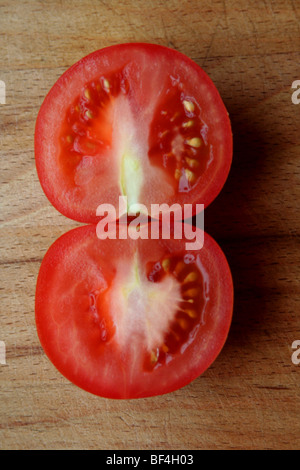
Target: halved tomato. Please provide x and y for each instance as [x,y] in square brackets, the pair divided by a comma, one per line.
[132,318]
[136,120]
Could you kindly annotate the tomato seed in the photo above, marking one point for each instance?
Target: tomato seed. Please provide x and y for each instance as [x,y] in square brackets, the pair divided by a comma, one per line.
[191,313]
[193,292]
[187,124]
[191,277]
[106,84]
[189,106]
[166,264]
[192,163]
[89,114]
[190,176]
[87,94]
[179,268]
[177,174]
[194,142]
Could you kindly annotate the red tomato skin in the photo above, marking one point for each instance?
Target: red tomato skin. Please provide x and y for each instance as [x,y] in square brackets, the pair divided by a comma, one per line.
[186,367]
[214,178]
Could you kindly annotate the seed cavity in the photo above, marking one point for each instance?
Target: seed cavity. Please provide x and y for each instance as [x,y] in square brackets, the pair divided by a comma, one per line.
[189,309]
[89,121]
[176,142]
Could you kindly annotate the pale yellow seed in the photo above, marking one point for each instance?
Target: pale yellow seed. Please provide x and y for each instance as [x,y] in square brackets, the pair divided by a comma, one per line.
[192,163]
[191,313]
[179,267]
[163,134]
[106,84]
[194,142]
[183,323]
[189,106]
[87,94]
[193,292]
[191,277]
[176,115]
[153,357]
[166,264]
[165,348]
[177,174]
[190,176]
[170,155]
[176,336]
[91,145]
[89,114]
[188,123]
[69,139]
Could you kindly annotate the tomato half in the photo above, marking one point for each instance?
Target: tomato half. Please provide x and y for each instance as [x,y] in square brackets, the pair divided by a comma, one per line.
[132,318]
[138,120]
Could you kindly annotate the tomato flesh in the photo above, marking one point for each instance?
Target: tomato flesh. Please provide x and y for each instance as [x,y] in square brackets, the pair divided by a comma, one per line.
[132,318]
[138,120]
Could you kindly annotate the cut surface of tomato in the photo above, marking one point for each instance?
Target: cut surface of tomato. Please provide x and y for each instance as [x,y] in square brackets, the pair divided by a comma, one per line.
[132,318]
[135,120]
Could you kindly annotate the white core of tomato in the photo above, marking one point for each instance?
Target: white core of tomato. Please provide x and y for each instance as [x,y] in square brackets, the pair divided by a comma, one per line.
[131,178]
[129,149]
[142,310]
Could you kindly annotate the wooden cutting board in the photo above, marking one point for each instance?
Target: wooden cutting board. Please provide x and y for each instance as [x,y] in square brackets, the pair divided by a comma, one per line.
[250,397]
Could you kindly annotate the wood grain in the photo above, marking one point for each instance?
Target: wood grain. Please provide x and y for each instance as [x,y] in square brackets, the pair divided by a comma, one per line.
[250,397]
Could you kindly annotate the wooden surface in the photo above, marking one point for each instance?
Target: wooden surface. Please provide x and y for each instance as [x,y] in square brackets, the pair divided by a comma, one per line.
[250,397]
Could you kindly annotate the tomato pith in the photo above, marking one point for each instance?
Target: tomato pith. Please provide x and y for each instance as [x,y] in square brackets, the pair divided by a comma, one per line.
[132,318]
[139,120]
